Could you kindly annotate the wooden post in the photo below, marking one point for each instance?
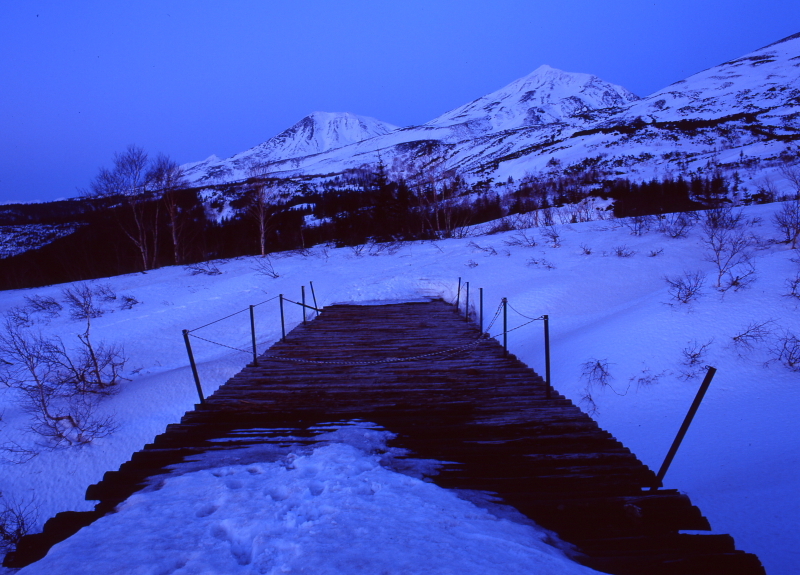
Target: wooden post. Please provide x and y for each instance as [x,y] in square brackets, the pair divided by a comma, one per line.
[253,334]
[314,296]
[480,293]
[466,314]
[505,326]
[283,322]
[458,295]
[303,301]
[194,365]
[547,353]
[684,427]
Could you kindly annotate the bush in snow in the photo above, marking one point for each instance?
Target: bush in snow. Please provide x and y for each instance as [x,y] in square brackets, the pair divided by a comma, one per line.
[551,233]
[794,286]
[677,224]
[525,238]
[203,268]
[684,289]
[788,222]
[730,249]
[694,356]
[639,225]
[15,522]
[623,252]
[754,333]
[263,266]
[127,302]
[786,350]
[80,298]
[47,306]
[60,387]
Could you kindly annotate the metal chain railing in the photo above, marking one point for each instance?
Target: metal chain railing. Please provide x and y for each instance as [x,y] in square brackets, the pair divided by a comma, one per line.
[501,309]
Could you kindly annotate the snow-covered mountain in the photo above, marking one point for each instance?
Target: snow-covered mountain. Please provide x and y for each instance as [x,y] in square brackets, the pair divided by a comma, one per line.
[545,96]
[316,133]
[744,113]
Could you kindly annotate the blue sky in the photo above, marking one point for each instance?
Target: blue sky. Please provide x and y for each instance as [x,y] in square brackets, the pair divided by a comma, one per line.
[80,80]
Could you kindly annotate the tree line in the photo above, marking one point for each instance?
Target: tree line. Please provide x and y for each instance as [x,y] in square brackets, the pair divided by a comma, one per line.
[140,213]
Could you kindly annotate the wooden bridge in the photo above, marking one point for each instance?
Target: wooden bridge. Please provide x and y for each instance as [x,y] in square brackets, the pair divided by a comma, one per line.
[421,371]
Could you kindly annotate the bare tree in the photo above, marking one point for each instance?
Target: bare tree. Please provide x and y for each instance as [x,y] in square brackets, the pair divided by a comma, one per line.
[787,219]
[263,196]
[731,251]
[166,177]
[128,182]
[792,174]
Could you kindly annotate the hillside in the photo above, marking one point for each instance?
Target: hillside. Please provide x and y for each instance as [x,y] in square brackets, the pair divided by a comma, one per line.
[603,287]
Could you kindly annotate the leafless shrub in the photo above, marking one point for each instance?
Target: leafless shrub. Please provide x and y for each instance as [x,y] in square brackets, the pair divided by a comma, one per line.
[677,225]
[263,266]
[739,277]
[488,249]
[786,350]
[105,293]
[390,248]
[646,378]
[694,357]
[203,268]
[541,262]
[723,218]
[506,224]
[552,234]
[687,287]
[16,520]
[471,264]
[623,251]
[586,250]
[19,316]
[639,225]
[47,306]
[731,251]
[588,400]
[127,302]
[787,219]
[655,253]
[80,299]
[16,454]
[358,249]
[794,286]
[524,238]
[596,372]
[60,388]
[754,333]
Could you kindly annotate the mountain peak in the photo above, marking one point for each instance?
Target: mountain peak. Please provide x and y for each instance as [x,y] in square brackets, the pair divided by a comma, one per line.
[545,96]
[322,131]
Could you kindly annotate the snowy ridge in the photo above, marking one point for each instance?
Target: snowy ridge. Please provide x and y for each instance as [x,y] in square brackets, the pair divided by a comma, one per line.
[741,111]
[316,133]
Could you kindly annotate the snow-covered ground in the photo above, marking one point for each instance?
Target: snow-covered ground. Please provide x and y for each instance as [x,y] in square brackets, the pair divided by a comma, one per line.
[739,462]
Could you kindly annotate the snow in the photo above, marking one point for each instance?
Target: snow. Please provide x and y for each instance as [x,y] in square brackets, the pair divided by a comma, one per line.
[738,463]
[333,508]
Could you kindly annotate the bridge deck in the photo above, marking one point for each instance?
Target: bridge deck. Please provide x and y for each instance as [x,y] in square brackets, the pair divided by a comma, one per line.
[466,403]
